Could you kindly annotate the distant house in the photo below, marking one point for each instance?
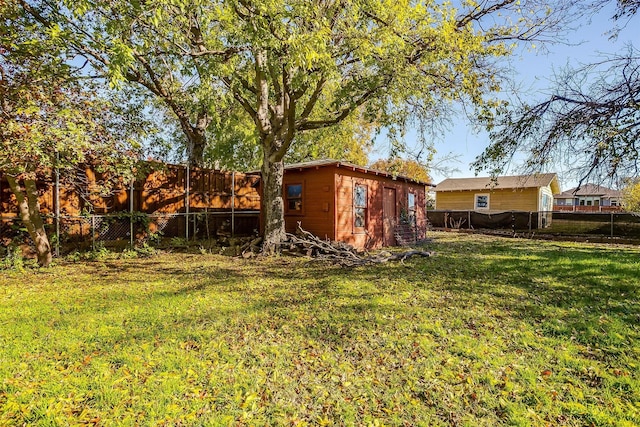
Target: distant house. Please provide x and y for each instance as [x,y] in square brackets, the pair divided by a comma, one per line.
[349,203]
[508,193]
[590,198]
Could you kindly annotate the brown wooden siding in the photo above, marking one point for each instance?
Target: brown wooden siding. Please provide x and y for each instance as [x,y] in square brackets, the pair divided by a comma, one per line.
[163,190]
[317,202]
[499,200]
[373,236]
[328,210]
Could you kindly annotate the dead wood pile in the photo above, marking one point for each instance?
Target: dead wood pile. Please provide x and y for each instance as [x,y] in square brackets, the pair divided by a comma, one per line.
[303,243]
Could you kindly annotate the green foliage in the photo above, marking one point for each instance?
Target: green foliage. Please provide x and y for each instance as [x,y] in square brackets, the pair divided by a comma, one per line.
[631,196]
[351,140]
[52,117]
[144,251]
[278,69]
[12,259]
[49,117]
[488,332]
[179,242]
[237,146]
[409,168]
[102,253]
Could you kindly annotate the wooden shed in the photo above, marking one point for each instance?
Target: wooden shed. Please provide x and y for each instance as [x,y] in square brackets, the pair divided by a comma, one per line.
[531,193]
[341,201]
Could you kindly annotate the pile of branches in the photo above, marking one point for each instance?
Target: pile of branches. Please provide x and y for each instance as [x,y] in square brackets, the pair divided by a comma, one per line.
[303,243]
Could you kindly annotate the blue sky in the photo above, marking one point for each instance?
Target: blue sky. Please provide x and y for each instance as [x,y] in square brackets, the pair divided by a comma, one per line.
[533,71]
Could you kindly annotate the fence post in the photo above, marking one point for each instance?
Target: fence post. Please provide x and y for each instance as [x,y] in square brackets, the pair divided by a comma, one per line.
[186,204]
[530,221]
[93,232]
[131,213]
[233,202]
[611,225]
[469,220]
[57,202]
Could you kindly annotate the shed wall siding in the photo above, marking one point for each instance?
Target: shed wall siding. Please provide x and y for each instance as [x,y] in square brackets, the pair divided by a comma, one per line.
[318,201]
[374,235]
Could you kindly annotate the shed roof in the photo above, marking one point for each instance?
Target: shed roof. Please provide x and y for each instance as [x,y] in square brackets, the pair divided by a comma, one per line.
[500,183]
[589,190]
[341,164]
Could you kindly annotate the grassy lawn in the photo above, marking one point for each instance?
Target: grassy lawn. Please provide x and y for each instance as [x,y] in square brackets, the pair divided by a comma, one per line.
[488,332]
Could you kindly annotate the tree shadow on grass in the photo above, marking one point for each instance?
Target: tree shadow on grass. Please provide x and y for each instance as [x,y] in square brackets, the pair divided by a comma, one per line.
[573,293]
[590,295]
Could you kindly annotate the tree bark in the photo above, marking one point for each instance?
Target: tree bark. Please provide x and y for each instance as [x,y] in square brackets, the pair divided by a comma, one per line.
[29,210]
[196,140]
[197,143]
[272,204]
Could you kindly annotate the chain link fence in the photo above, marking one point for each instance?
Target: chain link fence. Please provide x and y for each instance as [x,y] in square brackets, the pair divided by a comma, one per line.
[135,228]
[565,224]
[130,229]
[470,220]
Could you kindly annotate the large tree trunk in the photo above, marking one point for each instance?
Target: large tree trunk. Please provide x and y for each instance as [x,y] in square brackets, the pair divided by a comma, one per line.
[29,209]
[197,143]
[272,204]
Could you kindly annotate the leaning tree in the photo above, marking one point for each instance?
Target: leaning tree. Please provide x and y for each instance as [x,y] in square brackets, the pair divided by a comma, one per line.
[295,66]
[50,118]
[590,123]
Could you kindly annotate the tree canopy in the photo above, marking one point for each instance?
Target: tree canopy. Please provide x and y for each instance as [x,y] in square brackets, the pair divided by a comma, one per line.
[294,66]
[405,167]
[631,195]
[590,125]
[50,118]
[234,144]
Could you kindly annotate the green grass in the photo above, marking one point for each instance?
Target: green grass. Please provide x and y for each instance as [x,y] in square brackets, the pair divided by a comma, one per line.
[488,332]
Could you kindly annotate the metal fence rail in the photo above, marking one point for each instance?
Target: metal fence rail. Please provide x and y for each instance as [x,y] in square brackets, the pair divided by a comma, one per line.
[469,220]
[602,224]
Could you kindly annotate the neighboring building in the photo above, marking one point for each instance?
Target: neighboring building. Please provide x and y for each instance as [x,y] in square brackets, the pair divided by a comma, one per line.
[353,204]
[163,189]
[529,193]
[169,192]
[589,198]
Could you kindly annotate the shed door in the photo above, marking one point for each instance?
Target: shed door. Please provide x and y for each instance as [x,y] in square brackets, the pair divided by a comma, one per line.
[389,215]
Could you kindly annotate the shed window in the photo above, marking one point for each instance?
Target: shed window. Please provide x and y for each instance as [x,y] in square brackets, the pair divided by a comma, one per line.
[411,207]
[359,206]
[481,201]
[294,198]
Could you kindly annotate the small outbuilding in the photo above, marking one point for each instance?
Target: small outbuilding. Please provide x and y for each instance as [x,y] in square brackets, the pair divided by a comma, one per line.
[532,193]
[364,207]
